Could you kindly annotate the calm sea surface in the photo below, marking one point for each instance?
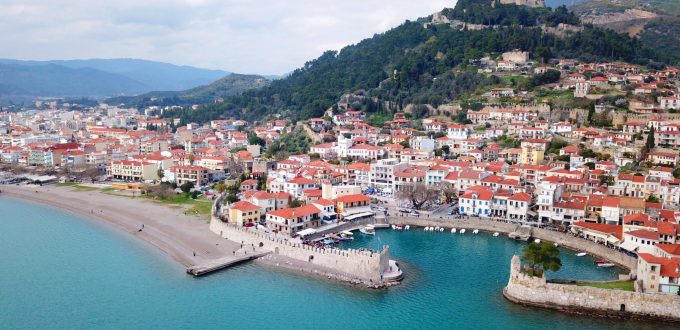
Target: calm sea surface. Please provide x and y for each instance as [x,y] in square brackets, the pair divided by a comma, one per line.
[61,271]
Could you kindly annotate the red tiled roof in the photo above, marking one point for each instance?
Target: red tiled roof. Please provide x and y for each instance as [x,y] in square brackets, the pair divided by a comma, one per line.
[615,230]
[352,198]
[646,234]
[293,213]
[245,206]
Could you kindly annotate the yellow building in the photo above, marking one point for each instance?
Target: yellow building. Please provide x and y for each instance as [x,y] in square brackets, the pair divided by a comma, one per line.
[244,212]
[531,155]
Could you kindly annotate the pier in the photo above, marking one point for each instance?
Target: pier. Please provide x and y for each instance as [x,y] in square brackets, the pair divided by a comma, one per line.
[222,263]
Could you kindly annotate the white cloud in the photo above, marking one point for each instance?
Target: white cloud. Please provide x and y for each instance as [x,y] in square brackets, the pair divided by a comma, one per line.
[247,36]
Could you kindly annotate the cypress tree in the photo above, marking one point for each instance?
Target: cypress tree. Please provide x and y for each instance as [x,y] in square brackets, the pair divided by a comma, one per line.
[649,145]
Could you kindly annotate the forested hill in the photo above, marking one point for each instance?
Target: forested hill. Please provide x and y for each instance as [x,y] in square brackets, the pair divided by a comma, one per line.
[232,84]
[414,63]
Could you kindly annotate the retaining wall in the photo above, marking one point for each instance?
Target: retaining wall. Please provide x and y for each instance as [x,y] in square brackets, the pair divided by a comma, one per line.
[360,265]
[562,239]
[535,291]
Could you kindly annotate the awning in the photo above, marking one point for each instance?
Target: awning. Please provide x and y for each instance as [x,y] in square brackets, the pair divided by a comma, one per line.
[306,232]
[359,215]
[628,246]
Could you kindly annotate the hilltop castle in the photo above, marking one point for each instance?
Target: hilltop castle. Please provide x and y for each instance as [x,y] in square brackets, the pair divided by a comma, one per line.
[528,3]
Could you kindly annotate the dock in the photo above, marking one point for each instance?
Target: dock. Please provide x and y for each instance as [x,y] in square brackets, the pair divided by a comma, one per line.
[214,265]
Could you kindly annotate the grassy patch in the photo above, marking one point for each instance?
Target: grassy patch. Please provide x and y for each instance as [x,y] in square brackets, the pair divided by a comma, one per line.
[622,285]
[76,186]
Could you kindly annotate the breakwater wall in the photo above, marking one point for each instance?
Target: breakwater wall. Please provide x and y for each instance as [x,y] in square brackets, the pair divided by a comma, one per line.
[563,239]
[357,266]
[535,291]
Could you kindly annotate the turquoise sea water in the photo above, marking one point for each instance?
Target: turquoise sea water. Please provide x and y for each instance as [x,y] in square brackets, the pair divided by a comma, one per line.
[58,271]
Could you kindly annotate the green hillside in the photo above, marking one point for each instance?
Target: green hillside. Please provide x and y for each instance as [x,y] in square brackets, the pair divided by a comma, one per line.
[413,63]
[232,84]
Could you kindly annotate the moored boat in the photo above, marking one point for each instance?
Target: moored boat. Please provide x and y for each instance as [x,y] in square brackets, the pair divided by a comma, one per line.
[476,231]
[495,234]
[581,254]
[606,265]
[367,230]
[462,231]
[453,230]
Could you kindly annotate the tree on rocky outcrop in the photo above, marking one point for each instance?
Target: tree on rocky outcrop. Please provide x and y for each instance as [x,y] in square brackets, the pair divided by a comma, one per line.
[541,257]
[418,194]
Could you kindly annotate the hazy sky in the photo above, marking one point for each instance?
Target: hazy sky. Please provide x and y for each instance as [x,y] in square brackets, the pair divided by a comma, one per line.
[247,36]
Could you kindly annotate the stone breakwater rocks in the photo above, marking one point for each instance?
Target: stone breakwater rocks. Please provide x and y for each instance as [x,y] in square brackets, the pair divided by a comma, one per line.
[535,291]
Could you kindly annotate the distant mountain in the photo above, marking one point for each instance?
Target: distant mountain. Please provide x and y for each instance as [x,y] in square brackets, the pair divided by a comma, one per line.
[424,63]
[232,84]
[155,75]
[51,80]
[656,22]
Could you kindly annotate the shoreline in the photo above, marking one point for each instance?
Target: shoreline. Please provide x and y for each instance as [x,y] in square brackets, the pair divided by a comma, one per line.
[168,230]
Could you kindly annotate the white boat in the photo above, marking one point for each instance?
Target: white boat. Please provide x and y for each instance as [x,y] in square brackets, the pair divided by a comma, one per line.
[537,241]
[453,231]
[347,235]
[495,234]
[556,245]
[581,254]
[394,227]
[407,227]
[441,229]
[606,265]
[427,229]
[462,231]
[368,230]
[436,228]
[476,231]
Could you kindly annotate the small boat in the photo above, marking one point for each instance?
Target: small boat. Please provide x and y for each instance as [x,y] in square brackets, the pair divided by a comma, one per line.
[495,234]
[398,227]
[581,254]
[394,227]
[537,241]
[407,227]
[347,235]
[426,229]
[441,229]
[462,231]
[453,230]
[436,228]
[476,231]
[600,261]
[556,245]
[606,265]
[368,230]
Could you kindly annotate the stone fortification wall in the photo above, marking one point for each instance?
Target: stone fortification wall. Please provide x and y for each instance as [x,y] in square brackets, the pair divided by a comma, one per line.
[365,266]
[622,117]
[535,291]
[362,266]
[562,239]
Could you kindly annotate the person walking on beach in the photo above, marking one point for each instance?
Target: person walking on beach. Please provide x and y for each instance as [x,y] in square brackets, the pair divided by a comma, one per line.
[194,253]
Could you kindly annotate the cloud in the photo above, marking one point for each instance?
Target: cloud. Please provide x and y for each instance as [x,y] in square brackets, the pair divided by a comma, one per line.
[246,36]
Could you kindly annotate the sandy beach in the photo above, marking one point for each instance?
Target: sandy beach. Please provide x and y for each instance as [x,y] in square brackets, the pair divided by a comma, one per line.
[166,228]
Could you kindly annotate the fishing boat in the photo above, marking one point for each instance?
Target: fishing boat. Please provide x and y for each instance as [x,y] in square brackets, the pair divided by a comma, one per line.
[441,229]
[453,230]
[495,234]
[427,229]
[407,227]
[394,227]
[399,227]
[347,235]
[581,254]
[600,261]
[462,231]
[606,265]
[368,230]
[476,231]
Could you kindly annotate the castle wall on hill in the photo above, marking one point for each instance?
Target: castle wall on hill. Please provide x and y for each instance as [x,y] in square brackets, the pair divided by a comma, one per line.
[528,3]
[535,291]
